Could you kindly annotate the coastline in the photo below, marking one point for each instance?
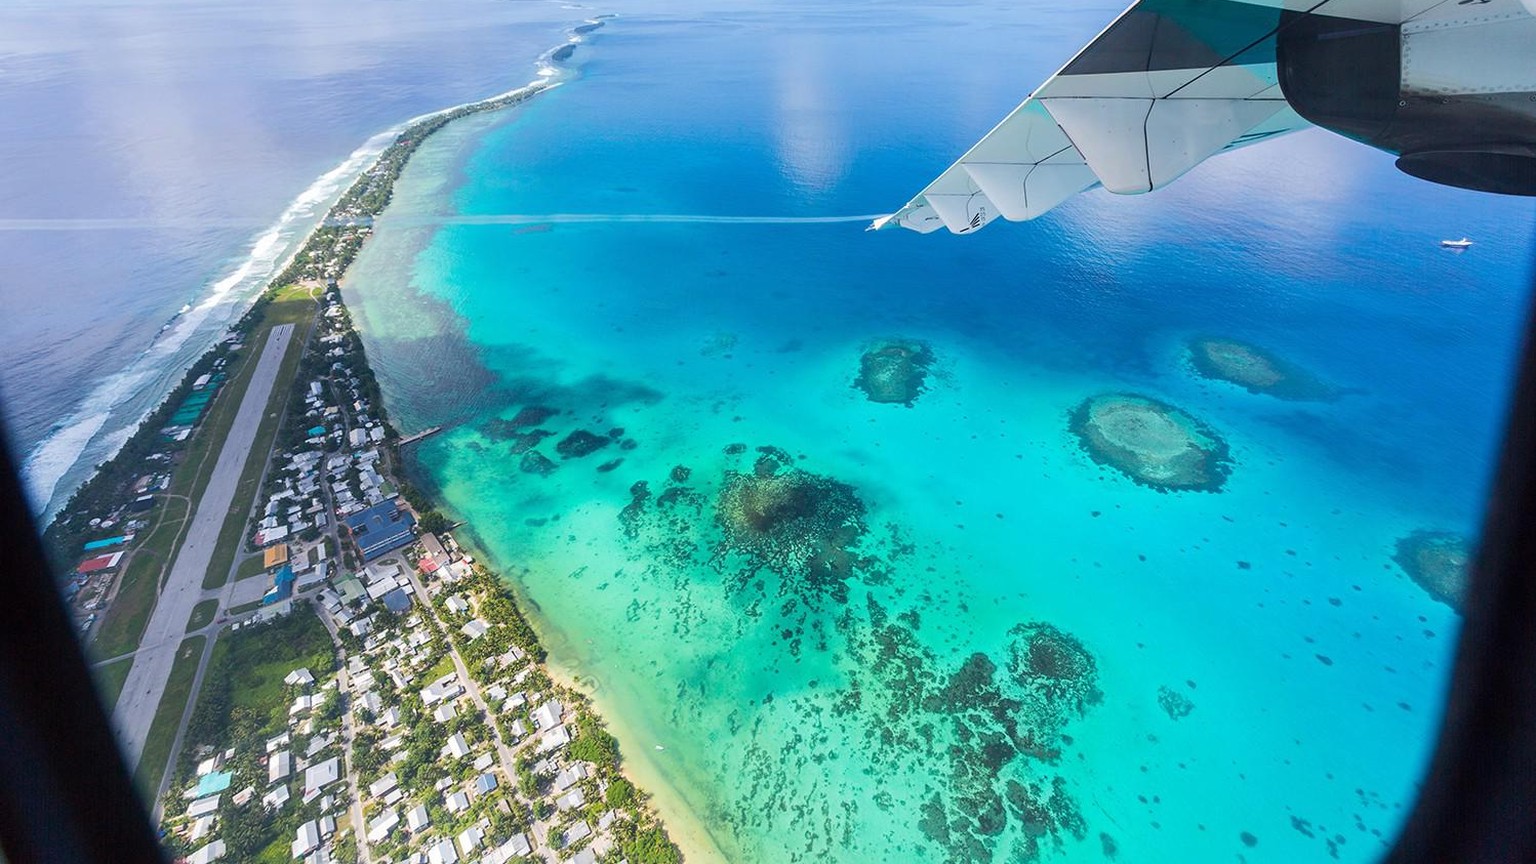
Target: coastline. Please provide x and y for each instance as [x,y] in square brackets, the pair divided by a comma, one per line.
[315,205]
[336,238]
[684,826]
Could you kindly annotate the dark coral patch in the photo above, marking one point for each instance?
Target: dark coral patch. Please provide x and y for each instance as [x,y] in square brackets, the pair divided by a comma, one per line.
[535,462]
[581,443]
[793,522]
[894,371]
[1438,561]
[1255,370]
[1175,704]
[1153,443]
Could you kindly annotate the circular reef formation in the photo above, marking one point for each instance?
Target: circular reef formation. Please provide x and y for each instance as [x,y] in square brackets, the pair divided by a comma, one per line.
[1438,561]
[1255,370]
[798,524]
[894,371]
[1153,443]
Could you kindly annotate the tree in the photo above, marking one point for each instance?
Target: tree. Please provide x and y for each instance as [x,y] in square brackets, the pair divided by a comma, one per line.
[620,794]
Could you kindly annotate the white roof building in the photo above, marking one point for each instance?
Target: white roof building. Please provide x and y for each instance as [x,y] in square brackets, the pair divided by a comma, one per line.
[321,775]
[306,839]
[571,800]
[299,678]
[470,839]
[556,737]
[380,787]
[384,823]
[456,802]
[475,629]
[204,806]
[579,831]
[418,819]
[548,715]
[212,852]
[457,747]
[279,766]
[443,853]
[275,799]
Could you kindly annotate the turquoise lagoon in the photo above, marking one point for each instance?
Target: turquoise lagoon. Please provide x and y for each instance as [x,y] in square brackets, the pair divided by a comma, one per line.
[1012,653]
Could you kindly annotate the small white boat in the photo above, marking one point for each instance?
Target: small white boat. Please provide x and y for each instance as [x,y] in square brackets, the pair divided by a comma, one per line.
[1455,244]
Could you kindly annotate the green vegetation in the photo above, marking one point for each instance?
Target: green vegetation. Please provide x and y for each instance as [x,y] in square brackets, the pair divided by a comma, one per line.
[202,614]
[173,704]
[620,794]
[109,680]
[243,693]
[592,742]
[124,621]
[249,567]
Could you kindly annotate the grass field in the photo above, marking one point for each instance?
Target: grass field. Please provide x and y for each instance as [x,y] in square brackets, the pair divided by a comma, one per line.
[202,615]
[293,305]
[162,732]
[124,621]
[110,679]
[249,567]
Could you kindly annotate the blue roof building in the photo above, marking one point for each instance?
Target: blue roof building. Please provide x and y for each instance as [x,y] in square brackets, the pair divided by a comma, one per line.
[381,529]
[282,587]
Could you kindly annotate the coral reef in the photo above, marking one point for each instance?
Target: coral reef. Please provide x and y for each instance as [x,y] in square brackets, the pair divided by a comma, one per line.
[795,523]
[1438,561]
[1155,444]
[1255,370]
[894,371]
[1174,703]
[581,443]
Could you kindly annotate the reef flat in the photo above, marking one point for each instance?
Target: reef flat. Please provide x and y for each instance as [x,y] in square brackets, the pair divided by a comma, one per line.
[1439,562]
[1153,443]
[894,371]
[1256,370]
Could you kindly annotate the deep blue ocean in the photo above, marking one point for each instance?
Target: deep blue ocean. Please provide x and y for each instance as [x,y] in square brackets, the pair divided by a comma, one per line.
[779,717]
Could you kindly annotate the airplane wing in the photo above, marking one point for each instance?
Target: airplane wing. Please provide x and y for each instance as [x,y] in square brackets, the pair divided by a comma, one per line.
[1167,85]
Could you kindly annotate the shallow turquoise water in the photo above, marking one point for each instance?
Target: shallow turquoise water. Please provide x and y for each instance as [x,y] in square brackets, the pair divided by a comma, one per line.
[881,716]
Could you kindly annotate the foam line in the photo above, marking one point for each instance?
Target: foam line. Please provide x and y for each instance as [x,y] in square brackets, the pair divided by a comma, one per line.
[132,224]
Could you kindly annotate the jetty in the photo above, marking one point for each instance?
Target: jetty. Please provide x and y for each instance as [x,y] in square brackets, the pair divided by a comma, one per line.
[413,438]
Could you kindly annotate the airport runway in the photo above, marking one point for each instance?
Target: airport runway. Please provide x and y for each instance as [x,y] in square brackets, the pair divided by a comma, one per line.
[151,670]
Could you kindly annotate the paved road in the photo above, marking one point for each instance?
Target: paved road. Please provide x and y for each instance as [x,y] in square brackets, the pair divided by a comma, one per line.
[184,587]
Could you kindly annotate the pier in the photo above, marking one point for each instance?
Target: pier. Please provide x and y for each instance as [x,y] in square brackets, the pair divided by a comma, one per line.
[413,438]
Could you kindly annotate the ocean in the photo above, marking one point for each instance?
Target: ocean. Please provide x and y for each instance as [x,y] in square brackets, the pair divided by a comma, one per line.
[211,136]
[941,631]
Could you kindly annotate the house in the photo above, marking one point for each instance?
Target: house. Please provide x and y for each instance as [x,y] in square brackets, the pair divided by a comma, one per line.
[200,828]
[418,819]
[384,823]
[571,800]
[548,715]
[212,852]
[279,766]
[569,777]
[579,831]
[516,846]
[446,687]
[456,802]
[442,853]
[470,839]
[279,741]
[299,678]
[475,629]
[382,786]
[204,806]
[321,775]
[556,737]
[390,716]
[585,856]
[456,747]
[485,783]
[306,839]
[275,799]
[457,605]
[444,712]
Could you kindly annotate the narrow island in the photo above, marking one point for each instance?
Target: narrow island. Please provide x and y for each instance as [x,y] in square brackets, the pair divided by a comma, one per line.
[352,684]
[1256,370]
[1439,562]
[894,371]
[1153,443]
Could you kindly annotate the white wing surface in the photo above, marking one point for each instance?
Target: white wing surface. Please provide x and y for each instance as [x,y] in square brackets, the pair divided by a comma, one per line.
[1167,85]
